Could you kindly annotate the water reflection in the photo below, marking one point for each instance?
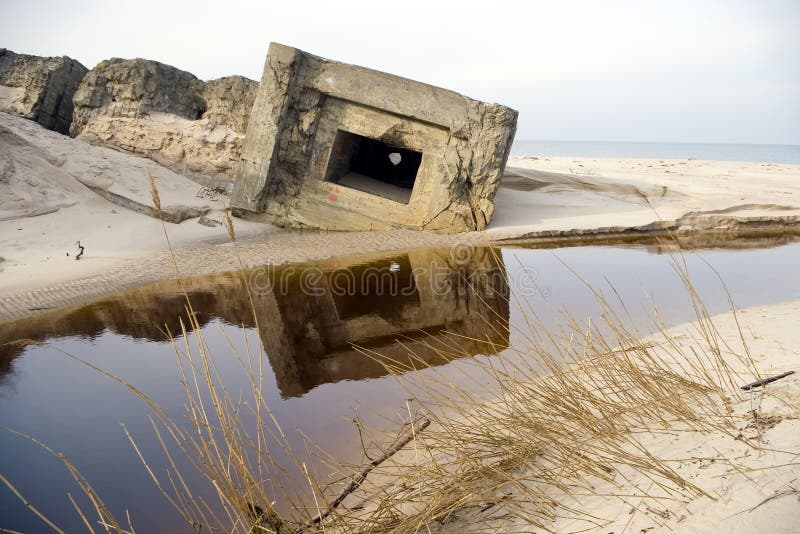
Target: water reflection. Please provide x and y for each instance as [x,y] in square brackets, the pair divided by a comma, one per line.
[313,321]
[311,316]
[309,319]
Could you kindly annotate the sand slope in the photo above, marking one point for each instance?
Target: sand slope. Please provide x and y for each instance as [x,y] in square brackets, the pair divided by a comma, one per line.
[572,195]
[46,205]
[751,490]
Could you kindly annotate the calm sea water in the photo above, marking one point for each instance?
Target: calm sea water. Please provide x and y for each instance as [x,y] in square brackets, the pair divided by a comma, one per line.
[609,149]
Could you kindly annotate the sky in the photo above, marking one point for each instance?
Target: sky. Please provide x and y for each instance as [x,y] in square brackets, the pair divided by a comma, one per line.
[669,71]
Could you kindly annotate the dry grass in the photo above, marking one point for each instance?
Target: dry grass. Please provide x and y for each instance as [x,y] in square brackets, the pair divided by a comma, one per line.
[563,414]
[518,440]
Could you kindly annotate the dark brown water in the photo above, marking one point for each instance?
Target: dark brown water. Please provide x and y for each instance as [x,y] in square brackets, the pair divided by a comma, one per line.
[310,318]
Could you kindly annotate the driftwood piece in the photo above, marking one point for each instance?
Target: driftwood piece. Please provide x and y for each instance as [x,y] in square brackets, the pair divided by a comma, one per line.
[765,381]
[416,426]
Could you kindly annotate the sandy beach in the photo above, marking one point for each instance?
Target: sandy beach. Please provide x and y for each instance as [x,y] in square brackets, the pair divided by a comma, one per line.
[47,206]
[748,488]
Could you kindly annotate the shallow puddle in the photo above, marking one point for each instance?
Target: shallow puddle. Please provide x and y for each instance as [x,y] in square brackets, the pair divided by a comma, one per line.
[316,322]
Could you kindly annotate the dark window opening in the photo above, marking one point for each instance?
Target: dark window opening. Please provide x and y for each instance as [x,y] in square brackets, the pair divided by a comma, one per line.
[373,166]
[384,289]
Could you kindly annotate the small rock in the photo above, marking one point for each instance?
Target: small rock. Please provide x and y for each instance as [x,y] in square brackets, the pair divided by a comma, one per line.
[177,214]
[206,221]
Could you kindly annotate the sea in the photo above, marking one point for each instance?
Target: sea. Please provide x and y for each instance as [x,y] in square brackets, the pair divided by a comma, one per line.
[621,149]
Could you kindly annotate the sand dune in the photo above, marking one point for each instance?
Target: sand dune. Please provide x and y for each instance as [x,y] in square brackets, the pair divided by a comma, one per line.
[46,205]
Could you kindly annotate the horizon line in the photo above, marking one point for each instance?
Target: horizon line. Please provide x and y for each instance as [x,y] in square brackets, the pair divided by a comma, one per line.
[795,145]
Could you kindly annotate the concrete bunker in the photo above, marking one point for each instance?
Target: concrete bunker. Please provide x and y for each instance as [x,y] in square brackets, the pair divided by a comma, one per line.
[342,147]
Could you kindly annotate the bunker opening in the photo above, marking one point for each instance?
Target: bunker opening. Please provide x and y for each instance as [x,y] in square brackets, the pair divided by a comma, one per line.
[384,291]
[373,166]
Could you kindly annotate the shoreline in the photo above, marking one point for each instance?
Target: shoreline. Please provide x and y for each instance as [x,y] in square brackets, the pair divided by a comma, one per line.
[322,246]
[541,203]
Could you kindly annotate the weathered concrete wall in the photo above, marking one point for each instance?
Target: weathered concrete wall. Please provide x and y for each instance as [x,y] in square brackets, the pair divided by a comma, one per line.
[168,115]
[40,88]
[302,102]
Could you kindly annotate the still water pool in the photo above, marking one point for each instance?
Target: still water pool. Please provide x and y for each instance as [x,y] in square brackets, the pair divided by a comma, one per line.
[312,319]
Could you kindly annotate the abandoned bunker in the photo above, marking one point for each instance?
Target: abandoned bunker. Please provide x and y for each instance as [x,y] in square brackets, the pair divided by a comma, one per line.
[341,147]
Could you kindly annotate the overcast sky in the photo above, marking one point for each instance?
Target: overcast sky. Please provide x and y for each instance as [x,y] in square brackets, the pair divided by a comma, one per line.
[710,71]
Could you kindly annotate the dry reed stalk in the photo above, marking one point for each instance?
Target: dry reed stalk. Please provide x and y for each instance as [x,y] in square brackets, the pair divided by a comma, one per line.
[30,506]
